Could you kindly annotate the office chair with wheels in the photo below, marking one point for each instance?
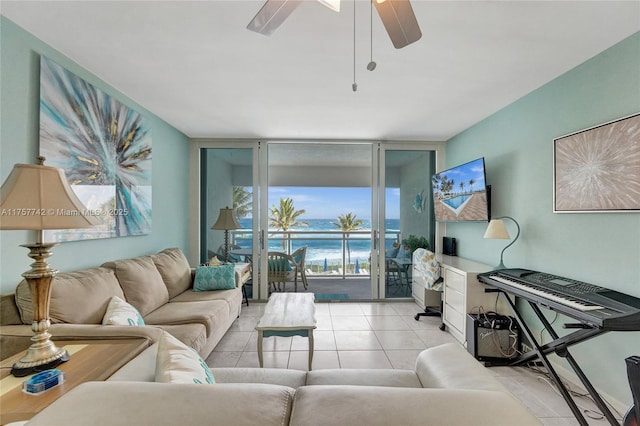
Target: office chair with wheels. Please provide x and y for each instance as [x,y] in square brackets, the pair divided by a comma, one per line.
[426,272]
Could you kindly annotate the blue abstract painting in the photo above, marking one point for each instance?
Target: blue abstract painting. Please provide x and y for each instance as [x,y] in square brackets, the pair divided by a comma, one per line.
[104,148]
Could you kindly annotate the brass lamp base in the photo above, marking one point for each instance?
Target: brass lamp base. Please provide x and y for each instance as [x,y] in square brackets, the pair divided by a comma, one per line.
[36,360]
[43,353]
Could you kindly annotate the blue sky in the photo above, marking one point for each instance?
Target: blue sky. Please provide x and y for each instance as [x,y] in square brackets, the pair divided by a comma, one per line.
[329,203]
[464,173]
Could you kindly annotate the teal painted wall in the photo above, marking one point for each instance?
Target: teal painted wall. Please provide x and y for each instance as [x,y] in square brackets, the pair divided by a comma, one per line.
[19,126]
[601,248]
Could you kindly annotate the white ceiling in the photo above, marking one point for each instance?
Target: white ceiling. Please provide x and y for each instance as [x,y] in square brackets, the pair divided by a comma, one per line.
[195,65]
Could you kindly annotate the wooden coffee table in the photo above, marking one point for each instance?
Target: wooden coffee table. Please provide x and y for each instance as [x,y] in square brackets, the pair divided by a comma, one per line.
[288,314]
[90,360]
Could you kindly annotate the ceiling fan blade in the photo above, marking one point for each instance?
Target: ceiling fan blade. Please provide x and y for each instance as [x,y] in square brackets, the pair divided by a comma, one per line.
[331,4]
[399,20]
[271,15]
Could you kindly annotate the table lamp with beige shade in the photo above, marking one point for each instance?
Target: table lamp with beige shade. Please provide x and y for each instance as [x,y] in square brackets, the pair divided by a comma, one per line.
[226,221]
[38,197]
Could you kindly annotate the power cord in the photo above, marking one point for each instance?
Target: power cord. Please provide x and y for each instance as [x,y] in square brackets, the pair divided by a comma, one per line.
[591,413]
[544,328]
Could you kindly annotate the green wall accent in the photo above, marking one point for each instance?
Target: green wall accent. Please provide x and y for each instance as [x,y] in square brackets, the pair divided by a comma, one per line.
[19,128]
[601,248]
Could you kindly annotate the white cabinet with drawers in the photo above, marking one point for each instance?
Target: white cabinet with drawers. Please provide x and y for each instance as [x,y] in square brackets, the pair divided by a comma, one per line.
[463,294]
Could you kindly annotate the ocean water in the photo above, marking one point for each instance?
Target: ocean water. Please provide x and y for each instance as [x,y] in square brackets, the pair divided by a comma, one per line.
[321,246]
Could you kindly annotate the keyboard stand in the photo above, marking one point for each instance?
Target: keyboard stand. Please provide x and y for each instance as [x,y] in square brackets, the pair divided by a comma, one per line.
[560,346]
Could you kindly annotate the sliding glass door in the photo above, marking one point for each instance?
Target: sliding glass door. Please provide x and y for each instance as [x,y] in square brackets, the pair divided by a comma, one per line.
[225,175]
[319,201]
[350,205]
[406,218]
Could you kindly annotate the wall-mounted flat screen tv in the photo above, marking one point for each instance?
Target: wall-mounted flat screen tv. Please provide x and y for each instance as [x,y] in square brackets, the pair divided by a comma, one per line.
[461,194]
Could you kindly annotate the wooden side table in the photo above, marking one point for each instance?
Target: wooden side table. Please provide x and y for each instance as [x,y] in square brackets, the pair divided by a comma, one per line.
[90,360]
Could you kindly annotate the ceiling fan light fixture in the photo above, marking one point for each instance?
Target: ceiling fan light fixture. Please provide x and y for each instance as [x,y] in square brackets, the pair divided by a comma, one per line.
[399,21]
[331,4]
[272,15]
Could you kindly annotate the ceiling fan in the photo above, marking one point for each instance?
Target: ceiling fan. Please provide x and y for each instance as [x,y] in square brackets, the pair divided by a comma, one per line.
[397,16]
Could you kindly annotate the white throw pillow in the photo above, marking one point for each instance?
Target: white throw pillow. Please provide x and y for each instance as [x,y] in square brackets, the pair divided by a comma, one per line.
[178,363]
[120,312]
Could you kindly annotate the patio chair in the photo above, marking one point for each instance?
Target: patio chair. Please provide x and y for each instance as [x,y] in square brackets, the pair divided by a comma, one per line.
[282,269]
[299,256]
[398,269]
[399,274]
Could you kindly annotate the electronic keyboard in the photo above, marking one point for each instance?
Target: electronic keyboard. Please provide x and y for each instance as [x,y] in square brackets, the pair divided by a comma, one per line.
[593,305]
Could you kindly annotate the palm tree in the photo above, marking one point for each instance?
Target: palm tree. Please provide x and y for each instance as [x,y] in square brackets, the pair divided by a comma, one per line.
[446,185]
[471,182]
[242,201]
[461,187]
[348,223]
[285,217]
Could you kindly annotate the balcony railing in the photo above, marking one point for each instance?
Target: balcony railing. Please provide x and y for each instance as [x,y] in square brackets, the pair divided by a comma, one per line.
[329,253]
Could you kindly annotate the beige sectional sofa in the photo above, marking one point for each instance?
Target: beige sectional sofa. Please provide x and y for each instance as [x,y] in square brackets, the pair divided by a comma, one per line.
[159,286]
[447,387]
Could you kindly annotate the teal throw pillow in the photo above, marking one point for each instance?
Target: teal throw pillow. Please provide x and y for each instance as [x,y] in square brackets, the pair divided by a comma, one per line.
[222,277]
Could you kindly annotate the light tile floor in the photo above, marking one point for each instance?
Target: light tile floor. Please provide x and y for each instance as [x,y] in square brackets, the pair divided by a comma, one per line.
[376,335]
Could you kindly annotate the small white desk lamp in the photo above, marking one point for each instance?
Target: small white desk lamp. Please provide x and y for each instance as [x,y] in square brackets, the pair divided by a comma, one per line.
[497,230]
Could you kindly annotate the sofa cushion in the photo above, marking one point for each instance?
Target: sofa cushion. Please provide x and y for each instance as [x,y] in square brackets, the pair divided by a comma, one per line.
[383,406]
[220,277]
[159,404]
[364,377]
[233,298]
[229,296]
[142,283]
[9,313]
[178,363]
[174,269]
[79,297]
[451,366]
[274,376]
[120,312]
[210,313]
